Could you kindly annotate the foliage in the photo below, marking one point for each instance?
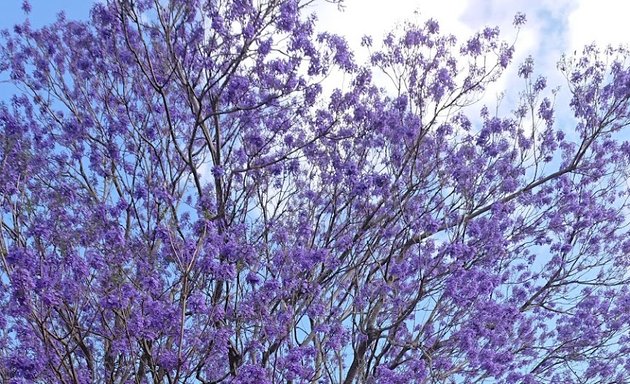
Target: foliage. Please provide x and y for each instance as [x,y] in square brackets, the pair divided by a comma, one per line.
[183,201]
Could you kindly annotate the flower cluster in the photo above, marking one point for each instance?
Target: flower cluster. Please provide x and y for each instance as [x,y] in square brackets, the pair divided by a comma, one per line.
[184,199]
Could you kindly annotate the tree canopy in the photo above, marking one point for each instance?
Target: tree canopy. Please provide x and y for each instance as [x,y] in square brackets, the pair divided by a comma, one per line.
[184,198]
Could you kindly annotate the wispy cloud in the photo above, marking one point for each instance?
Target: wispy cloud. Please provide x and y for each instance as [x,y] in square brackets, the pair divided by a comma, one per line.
[600,21]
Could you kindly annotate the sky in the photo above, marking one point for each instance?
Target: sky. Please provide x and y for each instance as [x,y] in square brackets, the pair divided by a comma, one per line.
[43,11]
[553,27]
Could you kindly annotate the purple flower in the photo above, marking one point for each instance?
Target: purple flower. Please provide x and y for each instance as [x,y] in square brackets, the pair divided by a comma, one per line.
[519,19]
[376,230]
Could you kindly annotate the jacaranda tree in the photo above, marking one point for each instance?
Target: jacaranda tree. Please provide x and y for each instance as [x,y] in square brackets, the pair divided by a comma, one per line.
[186,198]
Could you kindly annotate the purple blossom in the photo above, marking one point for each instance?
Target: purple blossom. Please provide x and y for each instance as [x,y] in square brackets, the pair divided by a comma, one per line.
[26,6]
[540,84]
[183,198]
[526,68]
[432,26]
[519,19]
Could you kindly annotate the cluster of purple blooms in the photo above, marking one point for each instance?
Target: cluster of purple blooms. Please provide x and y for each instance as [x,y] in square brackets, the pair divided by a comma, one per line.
[181,201]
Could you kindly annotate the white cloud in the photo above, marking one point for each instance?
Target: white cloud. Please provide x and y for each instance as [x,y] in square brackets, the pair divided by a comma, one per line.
[553,28]
[458,17]
[601,21]
[377,17]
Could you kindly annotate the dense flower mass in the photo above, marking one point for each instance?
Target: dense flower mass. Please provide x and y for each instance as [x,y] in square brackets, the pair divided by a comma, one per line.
[183,199]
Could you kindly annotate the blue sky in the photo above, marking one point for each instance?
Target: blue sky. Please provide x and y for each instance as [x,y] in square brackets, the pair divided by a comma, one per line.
[553,27]
[43,11]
